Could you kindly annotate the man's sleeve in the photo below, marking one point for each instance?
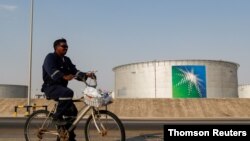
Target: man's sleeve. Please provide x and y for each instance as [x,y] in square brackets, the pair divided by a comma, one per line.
[50,67]
[79,75]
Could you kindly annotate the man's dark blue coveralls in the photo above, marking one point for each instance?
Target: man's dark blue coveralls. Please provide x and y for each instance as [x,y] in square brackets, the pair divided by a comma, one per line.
[55,87]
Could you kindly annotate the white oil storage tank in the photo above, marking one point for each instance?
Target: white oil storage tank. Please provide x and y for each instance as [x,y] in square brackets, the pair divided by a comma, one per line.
[177,79]
[13,91]
[244,91]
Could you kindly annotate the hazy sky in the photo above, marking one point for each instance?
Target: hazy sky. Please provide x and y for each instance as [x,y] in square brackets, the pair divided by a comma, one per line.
[103,34]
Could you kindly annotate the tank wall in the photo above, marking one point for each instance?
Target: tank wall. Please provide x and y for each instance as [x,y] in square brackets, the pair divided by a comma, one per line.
[13,91]
[156,79]
[135,81]
[244,91]
[222,80]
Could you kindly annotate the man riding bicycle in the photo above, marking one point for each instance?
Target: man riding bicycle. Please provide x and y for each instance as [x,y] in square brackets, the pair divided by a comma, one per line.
[57,71]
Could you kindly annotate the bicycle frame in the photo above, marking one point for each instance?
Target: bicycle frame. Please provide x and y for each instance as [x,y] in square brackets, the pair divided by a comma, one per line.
[79,117]
[82,113]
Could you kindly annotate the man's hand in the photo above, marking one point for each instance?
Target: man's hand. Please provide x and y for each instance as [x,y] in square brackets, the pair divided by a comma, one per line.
[91,75]
[68,77]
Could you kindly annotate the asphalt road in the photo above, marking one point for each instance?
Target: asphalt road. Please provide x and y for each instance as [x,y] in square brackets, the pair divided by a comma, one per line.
[11,129]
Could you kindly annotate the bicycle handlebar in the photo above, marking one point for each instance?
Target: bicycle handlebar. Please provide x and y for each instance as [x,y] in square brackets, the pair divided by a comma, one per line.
[91,79]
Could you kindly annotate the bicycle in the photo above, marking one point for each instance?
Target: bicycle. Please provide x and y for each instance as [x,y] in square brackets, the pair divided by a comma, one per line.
[101,125]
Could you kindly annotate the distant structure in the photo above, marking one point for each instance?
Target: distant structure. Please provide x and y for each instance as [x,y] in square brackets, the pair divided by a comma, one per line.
[244,91]
[177,79]
[13,91]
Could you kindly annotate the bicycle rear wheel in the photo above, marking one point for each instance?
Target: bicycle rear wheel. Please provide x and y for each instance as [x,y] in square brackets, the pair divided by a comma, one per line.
[109,124]
[39,126]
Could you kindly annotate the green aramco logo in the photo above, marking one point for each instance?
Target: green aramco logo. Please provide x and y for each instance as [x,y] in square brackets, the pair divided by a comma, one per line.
[189,81]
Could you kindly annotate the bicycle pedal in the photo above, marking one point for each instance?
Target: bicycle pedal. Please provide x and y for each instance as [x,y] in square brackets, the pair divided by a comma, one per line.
[63,134]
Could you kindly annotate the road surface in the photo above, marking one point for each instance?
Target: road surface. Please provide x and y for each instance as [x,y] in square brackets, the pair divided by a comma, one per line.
[11,129]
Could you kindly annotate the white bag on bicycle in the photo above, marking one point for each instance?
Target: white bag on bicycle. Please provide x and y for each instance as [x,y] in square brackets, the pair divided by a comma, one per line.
[96,98]
[92,92]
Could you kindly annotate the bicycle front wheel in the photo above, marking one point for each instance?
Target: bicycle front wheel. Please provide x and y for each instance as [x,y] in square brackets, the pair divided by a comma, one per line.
[109,125]
[39,126]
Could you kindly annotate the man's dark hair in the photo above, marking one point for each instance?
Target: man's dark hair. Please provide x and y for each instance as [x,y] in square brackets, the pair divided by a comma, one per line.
[58,41]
